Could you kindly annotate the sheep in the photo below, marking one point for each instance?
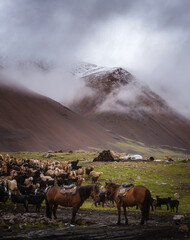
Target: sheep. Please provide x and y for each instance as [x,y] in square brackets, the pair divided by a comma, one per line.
[95,175]
[28,181]
[12,185]
[80,171]
[45,178]
[80,180]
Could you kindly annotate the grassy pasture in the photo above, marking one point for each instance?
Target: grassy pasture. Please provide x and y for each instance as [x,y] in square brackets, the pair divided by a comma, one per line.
[161,178]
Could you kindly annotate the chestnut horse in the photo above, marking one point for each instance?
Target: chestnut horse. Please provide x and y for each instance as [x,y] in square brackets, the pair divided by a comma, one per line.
[54,198]
[137,195]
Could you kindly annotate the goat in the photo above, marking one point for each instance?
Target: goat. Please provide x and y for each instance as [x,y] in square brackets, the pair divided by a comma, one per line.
[162,201]
[20,179]
[36,200]
[102,199]
[26,190]
[74,164]
[16,197]
[88,170]
[3,193]
[174,204]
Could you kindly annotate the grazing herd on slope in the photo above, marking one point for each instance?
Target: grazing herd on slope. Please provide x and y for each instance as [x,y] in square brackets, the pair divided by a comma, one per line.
[26,181]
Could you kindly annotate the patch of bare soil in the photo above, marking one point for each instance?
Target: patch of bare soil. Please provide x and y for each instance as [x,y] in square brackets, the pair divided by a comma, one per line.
[95,224]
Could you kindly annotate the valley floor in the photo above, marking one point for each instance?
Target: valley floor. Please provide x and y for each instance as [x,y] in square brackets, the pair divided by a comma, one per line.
[98,224]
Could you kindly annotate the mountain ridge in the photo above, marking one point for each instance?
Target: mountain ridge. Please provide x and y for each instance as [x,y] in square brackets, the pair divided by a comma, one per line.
[124,105]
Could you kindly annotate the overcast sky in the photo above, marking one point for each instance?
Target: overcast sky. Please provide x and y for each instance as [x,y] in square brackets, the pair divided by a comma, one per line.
[150,38]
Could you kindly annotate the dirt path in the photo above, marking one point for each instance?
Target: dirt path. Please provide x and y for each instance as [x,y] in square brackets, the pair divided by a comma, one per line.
[98,224]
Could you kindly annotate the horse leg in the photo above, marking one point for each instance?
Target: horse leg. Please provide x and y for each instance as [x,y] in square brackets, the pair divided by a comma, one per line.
[125,214]
[54,211]
[119,214]
[49,210]
[74,212]
[142,218]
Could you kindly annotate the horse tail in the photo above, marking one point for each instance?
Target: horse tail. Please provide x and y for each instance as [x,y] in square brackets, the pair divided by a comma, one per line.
[48,212]
[146,205]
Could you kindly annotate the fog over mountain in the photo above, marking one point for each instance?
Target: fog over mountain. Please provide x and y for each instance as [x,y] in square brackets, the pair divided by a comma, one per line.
[148,38]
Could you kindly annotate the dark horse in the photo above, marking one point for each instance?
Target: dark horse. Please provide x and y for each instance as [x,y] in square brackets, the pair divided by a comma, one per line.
[137,195]
[55,198]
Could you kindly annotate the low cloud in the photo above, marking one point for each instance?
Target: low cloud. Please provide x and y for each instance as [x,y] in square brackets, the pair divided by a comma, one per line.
[149,38]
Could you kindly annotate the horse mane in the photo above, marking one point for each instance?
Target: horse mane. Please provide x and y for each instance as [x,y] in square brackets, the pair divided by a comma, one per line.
[85,191]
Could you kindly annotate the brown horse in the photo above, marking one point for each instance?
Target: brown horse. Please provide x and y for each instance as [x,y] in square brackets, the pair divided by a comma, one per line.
[54,198]
[137,195]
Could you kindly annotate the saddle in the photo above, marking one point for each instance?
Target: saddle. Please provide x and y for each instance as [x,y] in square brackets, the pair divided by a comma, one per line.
[125,187]
[69,189]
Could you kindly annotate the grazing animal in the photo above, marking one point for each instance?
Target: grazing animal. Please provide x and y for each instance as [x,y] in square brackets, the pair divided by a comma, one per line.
[102,199]
[16,197]
[26,190]
[3,193]
[45,178]
[136,195]
[12,185]
[20,179]
[88,170]
[36,200]
[162,201]
[174,204]
[95,175]
[28,181]
[74,164]
[54,198]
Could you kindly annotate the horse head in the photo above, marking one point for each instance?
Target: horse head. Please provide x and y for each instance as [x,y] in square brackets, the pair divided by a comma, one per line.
[110,188]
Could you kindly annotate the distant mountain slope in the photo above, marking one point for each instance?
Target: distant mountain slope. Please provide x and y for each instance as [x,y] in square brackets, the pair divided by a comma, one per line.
[124,105]
[31,122]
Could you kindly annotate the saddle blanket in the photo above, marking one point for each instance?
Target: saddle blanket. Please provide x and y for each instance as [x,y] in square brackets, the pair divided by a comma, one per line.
[125,187]
[70,191]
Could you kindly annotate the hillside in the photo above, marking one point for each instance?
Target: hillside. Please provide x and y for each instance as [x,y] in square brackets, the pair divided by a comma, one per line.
[32,122]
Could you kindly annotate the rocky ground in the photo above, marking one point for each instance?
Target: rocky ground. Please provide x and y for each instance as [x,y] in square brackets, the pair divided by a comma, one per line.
[90,224]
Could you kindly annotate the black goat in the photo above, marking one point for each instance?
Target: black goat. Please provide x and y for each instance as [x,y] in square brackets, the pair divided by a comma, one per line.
[102,199]
[36,200]
[162,201]
[88,170]
[21,178]
[19,199]
[26,190]
[74,164]
[174,204]
[3,193]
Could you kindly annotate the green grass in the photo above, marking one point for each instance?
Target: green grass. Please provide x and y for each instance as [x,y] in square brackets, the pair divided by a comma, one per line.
[131,146]
[159,177]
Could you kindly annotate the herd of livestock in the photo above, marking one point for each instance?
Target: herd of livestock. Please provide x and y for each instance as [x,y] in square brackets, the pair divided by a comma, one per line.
[26,180]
